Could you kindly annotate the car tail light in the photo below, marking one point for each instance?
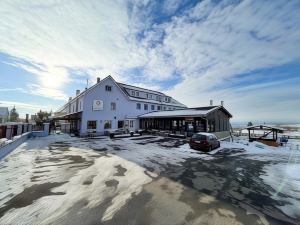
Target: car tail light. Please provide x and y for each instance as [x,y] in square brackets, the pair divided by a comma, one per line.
[204,142]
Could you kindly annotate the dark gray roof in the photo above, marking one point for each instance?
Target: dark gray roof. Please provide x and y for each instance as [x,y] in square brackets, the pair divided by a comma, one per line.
[189,112]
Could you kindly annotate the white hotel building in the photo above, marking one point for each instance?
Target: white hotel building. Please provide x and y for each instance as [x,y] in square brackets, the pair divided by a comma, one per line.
[112,105]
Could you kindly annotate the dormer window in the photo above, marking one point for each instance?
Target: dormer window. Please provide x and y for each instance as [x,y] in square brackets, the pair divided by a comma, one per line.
[137,94]
[107,88]
[133,93]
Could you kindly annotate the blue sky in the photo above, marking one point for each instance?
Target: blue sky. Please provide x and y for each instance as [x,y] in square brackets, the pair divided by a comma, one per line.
[246,53]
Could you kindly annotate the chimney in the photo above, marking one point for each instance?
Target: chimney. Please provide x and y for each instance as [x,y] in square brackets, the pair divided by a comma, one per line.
[211,102]
[77,92]
[98,80]
[70,98]
[222,103]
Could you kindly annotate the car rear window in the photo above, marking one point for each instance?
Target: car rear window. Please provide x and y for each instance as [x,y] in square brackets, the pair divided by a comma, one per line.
[199,137]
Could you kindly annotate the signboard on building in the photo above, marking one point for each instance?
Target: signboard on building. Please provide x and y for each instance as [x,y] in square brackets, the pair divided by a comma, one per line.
[189,118]
[97,105]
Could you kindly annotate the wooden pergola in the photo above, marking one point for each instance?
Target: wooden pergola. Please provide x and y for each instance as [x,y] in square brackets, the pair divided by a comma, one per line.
[266,135]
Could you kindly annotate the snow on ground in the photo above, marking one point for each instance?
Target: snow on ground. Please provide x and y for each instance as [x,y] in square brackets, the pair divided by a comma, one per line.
[60,177]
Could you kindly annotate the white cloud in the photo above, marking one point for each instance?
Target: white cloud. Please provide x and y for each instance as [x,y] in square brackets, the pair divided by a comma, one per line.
[24,108]
[207,45]
[38,90]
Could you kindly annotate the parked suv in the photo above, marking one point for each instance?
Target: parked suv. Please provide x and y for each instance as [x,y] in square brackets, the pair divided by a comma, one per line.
[204,141]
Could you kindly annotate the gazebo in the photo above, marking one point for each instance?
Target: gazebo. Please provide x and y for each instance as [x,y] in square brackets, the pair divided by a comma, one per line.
[268,133]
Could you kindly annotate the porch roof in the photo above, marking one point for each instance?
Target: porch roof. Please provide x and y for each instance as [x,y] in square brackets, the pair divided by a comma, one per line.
[190,112]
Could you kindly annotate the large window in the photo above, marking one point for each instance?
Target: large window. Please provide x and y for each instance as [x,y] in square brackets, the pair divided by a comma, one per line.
[211,124]
[107,88]
[138,105]
[113,106]
[107,124]
[145,107]
[152,107]
[91,124]
[120,123]
[158,107]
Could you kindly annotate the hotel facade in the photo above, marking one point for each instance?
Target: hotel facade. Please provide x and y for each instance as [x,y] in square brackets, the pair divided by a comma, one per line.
[112,105]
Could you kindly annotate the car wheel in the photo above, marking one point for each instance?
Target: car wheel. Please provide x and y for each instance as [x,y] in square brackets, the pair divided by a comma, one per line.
[210,148]
[219,145]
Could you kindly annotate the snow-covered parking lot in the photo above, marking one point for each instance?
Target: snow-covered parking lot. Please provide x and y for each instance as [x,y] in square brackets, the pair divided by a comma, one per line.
[148,180]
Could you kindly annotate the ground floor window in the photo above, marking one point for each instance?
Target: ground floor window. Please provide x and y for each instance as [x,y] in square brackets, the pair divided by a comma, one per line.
[91,124]
[211,125]
[131,123]
[120,123]
[107,124]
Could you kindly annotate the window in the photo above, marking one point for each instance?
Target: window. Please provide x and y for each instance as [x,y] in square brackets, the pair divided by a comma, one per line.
[151,96]
[133,93]
[107,124]
[107,88]
[157,98]
[211,124]
[120,123]
[137,94]
[165,108]
[138,105]
[91,124]
[131,123]
[147,95]
[158,107]
[145,107]
[152,107]
[166,99]
[170,108]
[113,106]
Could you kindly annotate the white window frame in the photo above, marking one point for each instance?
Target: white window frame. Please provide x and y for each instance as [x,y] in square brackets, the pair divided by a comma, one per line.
[131,124]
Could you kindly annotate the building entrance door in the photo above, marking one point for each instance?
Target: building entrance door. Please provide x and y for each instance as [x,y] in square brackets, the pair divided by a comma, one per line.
[120,124]
[190,128]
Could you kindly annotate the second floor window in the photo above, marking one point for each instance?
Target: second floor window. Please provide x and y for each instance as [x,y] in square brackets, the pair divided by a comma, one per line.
[145,107]
[137,94]
[107,88]
[158,107]
[152,107]
[138,105]
[113,106]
